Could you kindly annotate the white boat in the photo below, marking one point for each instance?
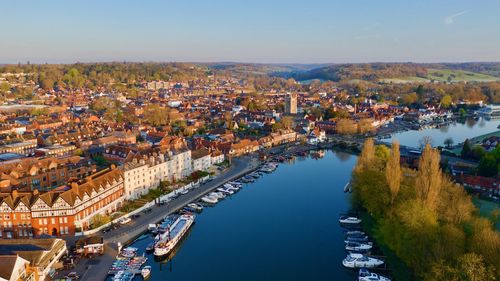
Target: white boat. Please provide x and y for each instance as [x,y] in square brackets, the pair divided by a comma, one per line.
[365,275]
[232,187]
[225,191]
[217,195]
[354,260]
[196,207]
[146,272]
[349,220]
[355,233]
[209,199]
[175,234]
[358,246]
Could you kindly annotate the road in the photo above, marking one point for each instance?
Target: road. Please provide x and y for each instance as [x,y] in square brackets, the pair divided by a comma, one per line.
[97,268]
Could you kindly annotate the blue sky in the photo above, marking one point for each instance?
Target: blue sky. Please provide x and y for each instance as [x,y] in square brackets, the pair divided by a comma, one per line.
[308,31]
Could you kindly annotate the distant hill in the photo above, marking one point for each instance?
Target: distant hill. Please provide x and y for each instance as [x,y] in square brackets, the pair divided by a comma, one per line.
[263,69]
[401,72]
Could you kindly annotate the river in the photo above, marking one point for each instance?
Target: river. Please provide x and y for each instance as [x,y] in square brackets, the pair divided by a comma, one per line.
[458,131]
[281,227]
[284,226]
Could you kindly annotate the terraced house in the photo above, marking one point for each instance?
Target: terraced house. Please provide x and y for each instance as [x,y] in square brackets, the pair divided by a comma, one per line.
[43,174]
[64,210]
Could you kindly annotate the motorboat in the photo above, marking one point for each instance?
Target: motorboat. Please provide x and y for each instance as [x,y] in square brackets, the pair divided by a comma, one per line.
[146,272]
[225,191]
[365,275]
[356,239]
[232,187]
[197,207]
[355,233]
[209,199]
[355,260]
[218,195]
[349,220]
[129,252]
[358,246]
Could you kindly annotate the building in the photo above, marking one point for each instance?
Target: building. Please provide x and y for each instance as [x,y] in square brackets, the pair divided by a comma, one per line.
[145,172]
[34,173]
[34,259]
[291,103]
[55,150]
[202,159]
[62,211]
[15,268]
[93,245]
[26,148]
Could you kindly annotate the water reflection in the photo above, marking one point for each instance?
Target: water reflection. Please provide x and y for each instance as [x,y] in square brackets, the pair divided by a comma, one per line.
[342,156]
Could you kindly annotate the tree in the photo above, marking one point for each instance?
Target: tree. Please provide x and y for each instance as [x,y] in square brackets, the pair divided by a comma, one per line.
[287,122]
[466,149]
[446,101]
[346,126]
[424,141]
[393,171]
[448,142]
[367,155]
[488,166]
[365,125]
[429,177]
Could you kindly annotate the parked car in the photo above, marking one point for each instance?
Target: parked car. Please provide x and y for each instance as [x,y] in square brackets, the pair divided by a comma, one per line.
[72,276]
[125,220]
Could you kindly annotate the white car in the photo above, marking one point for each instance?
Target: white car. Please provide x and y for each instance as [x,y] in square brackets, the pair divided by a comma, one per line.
[125,220]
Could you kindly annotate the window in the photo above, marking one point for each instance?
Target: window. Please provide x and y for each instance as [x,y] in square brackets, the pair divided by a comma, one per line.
[65,220]
[52,220]
[44,221]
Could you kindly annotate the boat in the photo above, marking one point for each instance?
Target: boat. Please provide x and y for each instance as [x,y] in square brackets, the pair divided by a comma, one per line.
[355,233]
[197,207]
[225,191]
[174,235]
[355,260]
[357,239]
[358,246]
[217,195]
[349,220]
[209,199]
[128,252]
[233,187]
[146,272]
[150,247]
[365,275]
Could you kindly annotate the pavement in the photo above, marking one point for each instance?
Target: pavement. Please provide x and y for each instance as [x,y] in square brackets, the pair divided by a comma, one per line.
[97,268]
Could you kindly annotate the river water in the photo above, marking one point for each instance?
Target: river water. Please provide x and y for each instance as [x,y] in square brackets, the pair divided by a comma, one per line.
[284,226]
[458,131]
[281,227]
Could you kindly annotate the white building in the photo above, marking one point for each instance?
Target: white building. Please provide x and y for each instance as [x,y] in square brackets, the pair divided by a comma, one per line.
[202,159]
[146,172]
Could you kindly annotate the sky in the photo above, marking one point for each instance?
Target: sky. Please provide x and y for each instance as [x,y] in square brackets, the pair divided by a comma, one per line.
[264,31]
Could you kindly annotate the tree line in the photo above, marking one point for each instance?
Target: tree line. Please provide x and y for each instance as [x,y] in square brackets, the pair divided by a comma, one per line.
[428,221]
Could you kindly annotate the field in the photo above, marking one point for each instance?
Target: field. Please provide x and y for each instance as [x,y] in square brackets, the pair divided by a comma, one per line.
[444,75]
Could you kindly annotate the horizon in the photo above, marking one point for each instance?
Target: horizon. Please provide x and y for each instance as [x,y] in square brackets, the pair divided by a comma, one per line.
[266,32]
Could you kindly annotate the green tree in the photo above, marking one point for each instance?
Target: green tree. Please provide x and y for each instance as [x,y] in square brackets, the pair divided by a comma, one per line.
[446,101]
[393,171]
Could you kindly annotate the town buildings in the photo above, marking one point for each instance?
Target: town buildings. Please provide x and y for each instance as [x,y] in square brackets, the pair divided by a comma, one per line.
[61,211]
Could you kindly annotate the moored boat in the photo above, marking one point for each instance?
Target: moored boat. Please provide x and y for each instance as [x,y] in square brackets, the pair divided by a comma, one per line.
[209,199]
[349,220]
[197,207]
[358,246]
[146,272]
[365,275]
[355,260]
[174,235]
